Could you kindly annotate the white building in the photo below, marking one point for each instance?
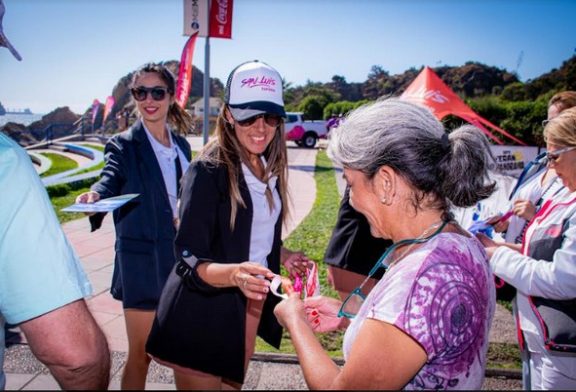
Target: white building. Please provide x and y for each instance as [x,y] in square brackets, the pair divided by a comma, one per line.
[215,104]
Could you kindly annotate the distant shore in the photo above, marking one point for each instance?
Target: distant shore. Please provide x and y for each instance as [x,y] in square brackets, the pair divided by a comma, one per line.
[22,112]
[20,118]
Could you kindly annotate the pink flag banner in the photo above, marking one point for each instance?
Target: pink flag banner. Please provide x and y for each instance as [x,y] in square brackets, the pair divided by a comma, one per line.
[108,108]
[185,71]
[95,107]
[220,24]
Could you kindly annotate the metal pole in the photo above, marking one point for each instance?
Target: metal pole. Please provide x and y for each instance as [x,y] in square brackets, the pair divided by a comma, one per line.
[206,125]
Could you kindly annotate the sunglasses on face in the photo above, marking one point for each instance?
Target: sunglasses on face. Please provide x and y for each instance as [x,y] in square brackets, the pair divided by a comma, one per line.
[552,156]
[157,93]
[272,120]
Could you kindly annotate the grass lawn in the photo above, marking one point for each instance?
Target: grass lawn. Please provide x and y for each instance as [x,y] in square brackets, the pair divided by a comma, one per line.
[312,236]
[60,164]
[60,202]
[98,147]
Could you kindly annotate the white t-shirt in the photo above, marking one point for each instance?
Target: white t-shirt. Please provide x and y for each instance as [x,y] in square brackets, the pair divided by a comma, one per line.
[166,157]
[263,217]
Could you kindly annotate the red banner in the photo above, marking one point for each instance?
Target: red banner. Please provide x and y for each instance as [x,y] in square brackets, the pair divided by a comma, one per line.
[107,108]
[185,71]
[95,107]
[221,19]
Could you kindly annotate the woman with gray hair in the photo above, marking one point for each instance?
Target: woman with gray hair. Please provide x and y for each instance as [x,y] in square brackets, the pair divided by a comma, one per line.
[425,324]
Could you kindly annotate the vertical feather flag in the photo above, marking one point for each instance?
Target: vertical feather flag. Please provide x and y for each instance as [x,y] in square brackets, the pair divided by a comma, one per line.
[185,71]
[108,108]
[95,107]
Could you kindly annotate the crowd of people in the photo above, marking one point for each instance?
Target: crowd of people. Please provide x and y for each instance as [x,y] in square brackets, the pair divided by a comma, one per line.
[196,251]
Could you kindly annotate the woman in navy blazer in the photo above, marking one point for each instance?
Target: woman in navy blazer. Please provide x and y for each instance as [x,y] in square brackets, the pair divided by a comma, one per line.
[147,159]
[234,200]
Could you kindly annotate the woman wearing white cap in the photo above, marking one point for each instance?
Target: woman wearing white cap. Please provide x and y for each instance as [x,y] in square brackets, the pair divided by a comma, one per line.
[234,200]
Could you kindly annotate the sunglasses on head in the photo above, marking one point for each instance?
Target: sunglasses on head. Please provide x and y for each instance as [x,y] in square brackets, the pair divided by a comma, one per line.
[157,93]
[272,120]
[552,156]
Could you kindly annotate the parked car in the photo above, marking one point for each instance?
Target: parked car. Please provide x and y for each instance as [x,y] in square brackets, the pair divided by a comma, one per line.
[304,132]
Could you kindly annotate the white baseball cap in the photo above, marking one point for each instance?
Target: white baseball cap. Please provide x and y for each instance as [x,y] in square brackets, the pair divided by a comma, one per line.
[254,88]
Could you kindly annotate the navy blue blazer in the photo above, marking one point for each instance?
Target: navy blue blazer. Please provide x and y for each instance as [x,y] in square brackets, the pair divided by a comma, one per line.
[144,227]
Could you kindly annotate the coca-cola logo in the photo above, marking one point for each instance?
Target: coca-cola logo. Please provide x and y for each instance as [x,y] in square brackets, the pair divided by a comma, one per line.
[222,13]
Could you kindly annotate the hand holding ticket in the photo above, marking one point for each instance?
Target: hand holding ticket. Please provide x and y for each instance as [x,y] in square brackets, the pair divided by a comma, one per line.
[102,205]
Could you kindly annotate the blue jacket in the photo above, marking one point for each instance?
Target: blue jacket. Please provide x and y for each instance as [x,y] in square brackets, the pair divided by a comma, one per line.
[144,227]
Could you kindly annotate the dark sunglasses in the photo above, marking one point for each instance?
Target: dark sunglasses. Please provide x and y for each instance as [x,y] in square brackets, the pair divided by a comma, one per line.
[554,155]
[157,93]
[272,120]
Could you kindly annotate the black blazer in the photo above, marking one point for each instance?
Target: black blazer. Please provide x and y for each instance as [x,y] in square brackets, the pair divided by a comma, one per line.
[144,227]
[203,327]
[352,247]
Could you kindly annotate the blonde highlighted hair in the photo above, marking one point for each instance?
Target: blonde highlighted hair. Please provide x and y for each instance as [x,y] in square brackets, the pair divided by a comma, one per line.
[561,130]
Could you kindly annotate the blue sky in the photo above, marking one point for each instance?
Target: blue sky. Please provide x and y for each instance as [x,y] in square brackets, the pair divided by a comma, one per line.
[76,50]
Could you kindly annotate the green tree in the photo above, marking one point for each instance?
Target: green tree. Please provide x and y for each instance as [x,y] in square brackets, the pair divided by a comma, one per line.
[313,106]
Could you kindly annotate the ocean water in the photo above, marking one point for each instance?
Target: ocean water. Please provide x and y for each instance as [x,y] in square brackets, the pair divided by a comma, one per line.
[23,119]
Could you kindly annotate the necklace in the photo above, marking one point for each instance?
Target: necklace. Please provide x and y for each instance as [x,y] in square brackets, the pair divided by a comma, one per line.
[438,226]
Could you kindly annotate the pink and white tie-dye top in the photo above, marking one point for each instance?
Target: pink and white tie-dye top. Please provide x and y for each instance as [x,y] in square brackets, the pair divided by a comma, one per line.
[442,294]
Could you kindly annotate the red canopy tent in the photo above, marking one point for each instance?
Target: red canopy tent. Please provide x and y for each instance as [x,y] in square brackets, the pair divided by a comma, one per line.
[428,89]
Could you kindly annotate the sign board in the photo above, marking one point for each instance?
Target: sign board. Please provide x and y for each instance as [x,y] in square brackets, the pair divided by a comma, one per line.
[511,160]
[196,17]
[221,19]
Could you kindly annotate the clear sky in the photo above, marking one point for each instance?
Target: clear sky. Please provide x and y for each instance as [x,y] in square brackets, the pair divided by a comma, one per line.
[76,50]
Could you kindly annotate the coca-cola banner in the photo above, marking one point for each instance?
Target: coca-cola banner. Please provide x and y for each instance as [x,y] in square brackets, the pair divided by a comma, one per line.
[221,18]
[185,72]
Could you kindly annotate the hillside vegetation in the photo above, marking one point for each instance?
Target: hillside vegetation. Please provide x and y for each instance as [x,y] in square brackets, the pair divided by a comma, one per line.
[494,93]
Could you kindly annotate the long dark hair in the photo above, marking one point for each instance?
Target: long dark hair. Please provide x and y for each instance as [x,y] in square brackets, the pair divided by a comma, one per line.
[177,116]
[226,149]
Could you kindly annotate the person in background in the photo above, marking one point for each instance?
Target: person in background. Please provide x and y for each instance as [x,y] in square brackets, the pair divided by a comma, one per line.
[536,183]
[352,250]
[42,284]
[147,159]
[472,218]
[234,201]
[528,196]
[543,270]
[425,324]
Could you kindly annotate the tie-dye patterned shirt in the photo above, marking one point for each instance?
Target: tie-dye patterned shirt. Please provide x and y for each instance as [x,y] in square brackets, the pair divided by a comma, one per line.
[442,295]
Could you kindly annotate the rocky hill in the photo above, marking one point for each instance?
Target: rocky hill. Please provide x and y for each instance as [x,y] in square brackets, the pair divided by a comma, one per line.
[63,122]
[2,110]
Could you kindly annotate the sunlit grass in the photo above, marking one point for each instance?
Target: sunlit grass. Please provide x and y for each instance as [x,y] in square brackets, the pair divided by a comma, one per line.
[60,164]
[311,237]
